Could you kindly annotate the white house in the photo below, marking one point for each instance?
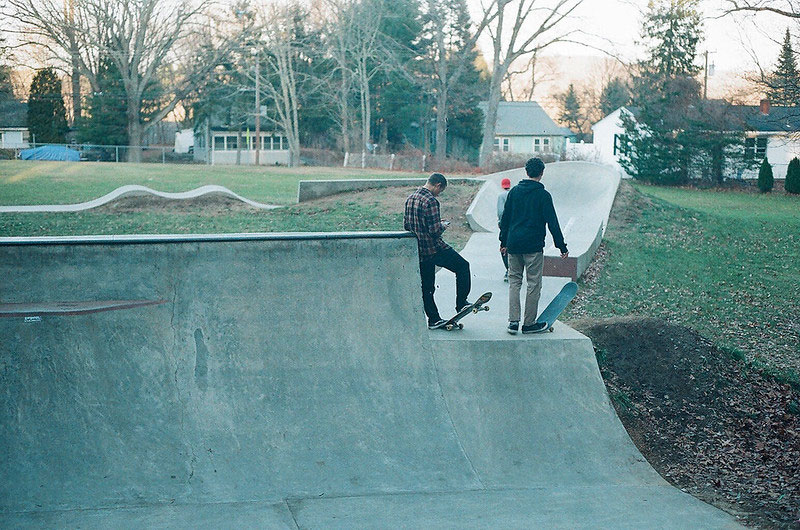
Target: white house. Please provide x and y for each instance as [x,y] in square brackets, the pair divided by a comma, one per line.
[771,131]
[523,127]
[606,135]
[216,141]
[13,129]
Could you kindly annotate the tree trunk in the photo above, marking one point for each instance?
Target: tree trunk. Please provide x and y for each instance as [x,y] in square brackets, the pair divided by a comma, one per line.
[441,124]
[490,120]
[135,131]
[344,112]
[76,91]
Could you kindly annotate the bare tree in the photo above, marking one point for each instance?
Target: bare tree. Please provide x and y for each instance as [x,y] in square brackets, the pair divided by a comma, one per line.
[452,45]
[281,79]
[521,27]
[146,40]
[339,20]
[786,8]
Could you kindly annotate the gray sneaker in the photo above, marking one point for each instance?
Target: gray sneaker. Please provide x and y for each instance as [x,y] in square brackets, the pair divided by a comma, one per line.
[513,327]
[538,327]
[438,324]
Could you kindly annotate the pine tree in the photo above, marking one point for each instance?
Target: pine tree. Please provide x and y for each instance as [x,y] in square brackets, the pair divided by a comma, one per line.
[765,178]
[792,184]
[105,121]
[671,31]
[784,83]
[666,94]
[47,116]
[615,94]
[571,113]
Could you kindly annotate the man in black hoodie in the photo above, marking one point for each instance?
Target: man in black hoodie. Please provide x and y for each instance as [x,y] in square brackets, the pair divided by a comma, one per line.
[529,207]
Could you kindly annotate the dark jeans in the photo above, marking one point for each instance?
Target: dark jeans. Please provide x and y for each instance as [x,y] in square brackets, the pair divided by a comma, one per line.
[452,261]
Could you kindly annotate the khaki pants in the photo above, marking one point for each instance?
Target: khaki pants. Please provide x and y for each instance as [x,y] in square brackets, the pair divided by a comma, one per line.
[533,266]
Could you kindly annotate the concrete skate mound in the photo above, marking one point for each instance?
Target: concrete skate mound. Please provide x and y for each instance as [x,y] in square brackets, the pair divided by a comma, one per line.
[137,191]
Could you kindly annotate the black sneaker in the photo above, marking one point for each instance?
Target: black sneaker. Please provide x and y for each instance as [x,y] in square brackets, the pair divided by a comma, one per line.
[513,327]
[461,307]
[538,327]
[438,324]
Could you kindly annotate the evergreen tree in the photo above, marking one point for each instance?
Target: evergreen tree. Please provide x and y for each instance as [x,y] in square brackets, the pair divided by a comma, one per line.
[666,94]
[792,184]
[47,116]
[765,178]
[784,83]
[571,113]
[671,31]
[104,120]
[615,94]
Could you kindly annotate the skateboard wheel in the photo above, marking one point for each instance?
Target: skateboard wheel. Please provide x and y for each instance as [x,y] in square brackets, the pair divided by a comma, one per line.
[485,308]
[550,330]
[449,327]
[474,310]
[460,326]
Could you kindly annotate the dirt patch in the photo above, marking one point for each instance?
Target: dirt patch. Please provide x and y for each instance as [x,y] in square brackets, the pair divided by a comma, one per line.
[728,435]
[209,205]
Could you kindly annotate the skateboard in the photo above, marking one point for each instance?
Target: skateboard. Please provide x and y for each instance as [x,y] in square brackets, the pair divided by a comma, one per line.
[557,305]
[454,323]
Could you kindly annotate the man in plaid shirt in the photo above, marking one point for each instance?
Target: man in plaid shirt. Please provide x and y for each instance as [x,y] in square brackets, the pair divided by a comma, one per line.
[422,217]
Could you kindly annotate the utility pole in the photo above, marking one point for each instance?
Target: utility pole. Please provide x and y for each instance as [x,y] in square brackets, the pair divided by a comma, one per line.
[258,111]
[705,77]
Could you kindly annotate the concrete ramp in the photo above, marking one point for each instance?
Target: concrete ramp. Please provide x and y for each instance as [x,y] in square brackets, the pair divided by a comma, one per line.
[583,193]
[288,381]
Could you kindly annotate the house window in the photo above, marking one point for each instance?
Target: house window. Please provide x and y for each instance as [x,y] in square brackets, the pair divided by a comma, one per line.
[2,140]
[755,147]
[541,144]
[231,143]
[501,144]
[219,143]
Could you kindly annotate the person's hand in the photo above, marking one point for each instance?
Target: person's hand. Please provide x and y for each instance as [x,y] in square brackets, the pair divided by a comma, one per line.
[503,250]
[564,255]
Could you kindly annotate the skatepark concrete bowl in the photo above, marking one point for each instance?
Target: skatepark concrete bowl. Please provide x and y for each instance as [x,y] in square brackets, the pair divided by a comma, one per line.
[288,381]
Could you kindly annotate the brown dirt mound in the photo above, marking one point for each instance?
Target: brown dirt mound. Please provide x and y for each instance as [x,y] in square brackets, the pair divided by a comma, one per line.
[726,434]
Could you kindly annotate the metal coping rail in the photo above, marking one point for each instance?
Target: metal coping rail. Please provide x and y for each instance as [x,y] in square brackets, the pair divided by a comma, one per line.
[196,238]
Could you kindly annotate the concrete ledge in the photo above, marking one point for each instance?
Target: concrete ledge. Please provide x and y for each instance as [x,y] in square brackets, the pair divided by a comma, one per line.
[314,189]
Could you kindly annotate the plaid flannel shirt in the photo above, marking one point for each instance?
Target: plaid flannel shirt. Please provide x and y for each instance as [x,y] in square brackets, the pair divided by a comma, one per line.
[422,217]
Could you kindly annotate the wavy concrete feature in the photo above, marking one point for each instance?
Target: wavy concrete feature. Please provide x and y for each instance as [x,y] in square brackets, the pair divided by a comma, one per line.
[289,381]
[134,190]
[583,193]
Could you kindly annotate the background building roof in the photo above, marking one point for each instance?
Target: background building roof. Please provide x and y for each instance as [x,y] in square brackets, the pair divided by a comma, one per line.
[525,118]
[13,113]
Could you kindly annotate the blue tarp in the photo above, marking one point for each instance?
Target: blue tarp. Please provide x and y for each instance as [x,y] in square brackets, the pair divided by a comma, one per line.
[50,152]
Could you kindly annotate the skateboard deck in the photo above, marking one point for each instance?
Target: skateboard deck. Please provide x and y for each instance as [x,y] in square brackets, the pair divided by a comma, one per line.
[478,305]
[557,305]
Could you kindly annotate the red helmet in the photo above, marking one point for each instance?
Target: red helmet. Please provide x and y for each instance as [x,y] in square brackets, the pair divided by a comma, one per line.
[505,183]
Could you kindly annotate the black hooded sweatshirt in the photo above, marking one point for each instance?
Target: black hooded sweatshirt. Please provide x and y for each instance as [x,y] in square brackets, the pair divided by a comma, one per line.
[529,207]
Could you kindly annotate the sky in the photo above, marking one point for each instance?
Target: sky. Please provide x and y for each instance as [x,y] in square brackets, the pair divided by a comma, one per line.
[615,25]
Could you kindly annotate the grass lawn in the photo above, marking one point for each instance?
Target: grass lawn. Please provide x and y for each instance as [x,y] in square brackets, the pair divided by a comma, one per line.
[723,263]
[29,182]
